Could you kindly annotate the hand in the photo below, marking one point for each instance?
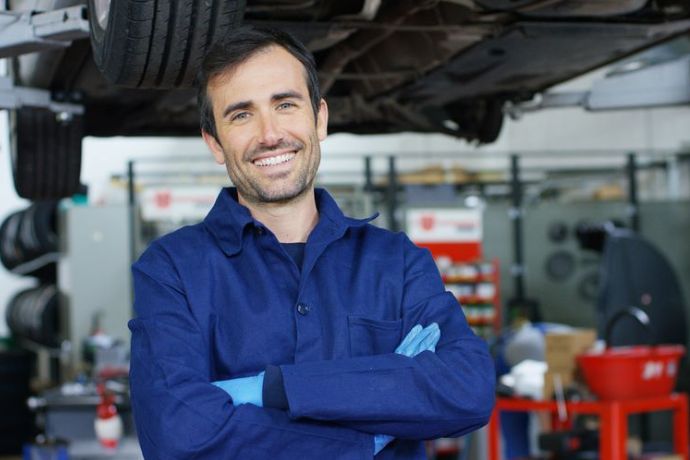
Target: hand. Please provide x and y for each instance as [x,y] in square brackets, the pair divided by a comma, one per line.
[381,441]
[416,341]
[419,339]
[244,390]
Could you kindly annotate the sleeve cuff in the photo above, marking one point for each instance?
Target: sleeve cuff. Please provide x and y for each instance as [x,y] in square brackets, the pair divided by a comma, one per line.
[273,391]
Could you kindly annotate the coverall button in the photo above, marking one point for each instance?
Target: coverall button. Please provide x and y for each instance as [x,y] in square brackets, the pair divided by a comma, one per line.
[303,309]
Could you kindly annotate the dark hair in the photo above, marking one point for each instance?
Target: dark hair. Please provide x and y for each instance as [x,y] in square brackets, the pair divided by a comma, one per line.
[236,47]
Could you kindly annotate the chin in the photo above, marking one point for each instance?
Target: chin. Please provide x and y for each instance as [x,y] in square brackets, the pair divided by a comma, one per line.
[282,195]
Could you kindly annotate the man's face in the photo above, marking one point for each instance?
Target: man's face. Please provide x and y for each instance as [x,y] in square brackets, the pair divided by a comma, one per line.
[268,135]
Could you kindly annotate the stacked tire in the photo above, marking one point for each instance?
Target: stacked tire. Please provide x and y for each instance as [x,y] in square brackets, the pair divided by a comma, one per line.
[28,247]
[34,314]
[28,235]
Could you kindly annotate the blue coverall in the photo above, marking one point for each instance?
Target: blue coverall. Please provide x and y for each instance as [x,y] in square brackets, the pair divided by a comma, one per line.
[222,299]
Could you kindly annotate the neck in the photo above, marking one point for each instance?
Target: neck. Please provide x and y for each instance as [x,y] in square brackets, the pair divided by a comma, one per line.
[290,222]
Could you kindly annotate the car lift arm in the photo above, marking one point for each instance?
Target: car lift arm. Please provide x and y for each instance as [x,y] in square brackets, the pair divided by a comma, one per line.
[15,97]
[29,31]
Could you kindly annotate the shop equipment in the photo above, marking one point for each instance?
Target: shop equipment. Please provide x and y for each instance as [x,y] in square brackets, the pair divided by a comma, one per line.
[635,273]
[634,371]
[16,420]
[613,416]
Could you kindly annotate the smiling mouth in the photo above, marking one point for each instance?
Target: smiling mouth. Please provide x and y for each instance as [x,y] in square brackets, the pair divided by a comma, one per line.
[276,160]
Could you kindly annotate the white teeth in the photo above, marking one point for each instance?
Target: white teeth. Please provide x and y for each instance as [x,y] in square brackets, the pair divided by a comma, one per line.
[276,160]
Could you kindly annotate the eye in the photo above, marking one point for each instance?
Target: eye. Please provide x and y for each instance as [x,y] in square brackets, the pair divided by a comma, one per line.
[240,116]
[285,105]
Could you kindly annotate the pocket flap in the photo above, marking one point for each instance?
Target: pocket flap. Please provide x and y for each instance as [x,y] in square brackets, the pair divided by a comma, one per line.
[373,336]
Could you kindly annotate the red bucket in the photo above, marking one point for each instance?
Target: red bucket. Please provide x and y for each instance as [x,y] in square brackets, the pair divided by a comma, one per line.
[631,372]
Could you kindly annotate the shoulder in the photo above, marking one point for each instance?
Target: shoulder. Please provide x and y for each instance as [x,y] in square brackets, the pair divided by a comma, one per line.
[383,234]
[187,237]
[174,248]
[383,240]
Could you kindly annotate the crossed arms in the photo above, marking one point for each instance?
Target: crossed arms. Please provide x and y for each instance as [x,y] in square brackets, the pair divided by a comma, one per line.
[336,407]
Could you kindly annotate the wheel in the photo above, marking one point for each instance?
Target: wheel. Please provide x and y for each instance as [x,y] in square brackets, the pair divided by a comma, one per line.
[34,314]
[29,234]
[11,253]
[481,121]
[157,44]
[46,153]
[41,219]
[491,123]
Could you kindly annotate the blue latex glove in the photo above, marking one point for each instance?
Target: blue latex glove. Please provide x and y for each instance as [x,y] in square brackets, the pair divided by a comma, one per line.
[244,390]
[381,441]
[416,341]
[419,339]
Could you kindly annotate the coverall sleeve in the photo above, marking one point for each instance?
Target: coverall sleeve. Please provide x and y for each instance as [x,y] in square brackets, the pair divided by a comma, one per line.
[446,393]
[179,414]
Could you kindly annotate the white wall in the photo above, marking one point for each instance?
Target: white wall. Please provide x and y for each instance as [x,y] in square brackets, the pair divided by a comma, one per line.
[104,157]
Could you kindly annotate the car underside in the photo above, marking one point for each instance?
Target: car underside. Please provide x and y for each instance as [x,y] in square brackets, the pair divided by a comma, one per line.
[385,66]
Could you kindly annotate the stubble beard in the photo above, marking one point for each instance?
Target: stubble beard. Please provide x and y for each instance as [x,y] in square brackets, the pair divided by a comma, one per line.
[251,189]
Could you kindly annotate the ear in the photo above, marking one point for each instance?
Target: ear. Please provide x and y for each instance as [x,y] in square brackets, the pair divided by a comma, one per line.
[214,146]
[322,120]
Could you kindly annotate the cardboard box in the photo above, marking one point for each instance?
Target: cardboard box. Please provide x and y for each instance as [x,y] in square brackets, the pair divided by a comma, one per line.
[561,348]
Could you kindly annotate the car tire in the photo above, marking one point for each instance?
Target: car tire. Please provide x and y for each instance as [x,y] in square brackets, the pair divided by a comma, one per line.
[491,123]
[34,314]
[11,252]
[46,153]
[157,44]
[28,235]
[38,229]
[481,121]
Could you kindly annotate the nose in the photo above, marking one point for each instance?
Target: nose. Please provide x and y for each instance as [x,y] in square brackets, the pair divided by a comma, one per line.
[270,131]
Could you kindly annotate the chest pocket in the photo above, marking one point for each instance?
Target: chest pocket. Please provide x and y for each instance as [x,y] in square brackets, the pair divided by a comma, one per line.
[372,336]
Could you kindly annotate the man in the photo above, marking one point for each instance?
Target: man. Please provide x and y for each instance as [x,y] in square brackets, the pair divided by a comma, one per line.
[278,328]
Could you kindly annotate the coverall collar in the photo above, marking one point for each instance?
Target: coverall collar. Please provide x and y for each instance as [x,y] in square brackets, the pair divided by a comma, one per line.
[228,221]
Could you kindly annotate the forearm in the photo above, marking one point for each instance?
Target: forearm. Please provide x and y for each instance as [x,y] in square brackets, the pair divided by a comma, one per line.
[248,432]
[179,415]
[427,396]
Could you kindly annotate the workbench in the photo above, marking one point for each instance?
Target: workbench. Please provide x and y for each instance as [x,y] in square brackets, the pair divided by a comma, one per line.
[613,416]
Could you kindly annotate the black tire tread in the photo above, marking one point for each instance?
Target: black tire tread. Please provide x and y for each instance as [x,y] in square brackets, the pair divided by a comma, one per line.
[165,40]
[48,154]
[11,253]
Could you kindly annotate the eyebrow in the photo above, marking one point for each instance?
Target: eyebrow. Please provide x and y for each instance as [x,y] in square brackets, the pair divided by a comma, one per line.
[243,105]
[287,95]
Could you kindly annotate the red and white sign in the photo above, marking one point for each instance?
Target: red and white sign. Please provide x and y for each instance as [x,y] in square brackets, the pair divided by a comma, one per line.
[177,203]
[454,233]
